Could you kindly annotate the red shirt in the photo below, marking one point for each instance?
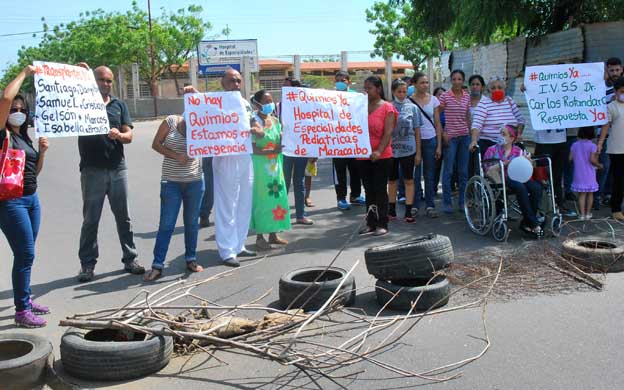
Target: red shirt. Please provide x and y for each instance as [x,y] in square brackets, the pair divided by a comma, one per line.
[376,121]
[455,112]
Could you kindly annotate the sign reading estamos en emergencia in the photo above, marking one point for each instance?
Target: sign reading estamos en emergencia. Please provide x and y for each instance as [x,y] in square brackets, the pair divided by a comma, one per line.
[324,124]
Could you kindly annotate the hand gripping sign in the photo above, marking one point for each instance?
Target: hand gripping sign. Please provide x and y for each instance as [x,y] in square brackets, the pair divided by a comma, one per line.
[217,124]
[68,102]
[321,123]
[566,96]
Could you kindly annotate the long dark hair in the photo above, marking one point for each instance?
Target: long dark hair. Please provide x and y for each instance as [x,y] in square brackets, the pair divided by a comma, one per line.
[23,130]
[377,83]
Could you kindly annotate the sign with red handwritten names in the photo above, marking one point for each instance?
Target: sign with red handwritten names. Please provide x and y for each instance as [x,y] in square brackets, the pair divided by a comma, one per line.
[324,124]
[566,96]
[217,124]
[68,101]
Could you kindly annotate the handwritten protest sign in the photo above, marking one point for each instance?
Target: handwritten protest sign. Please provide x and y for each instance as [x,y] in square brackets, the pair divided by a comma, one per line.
[564,96]
[320,123]
[217,124]
[68,102]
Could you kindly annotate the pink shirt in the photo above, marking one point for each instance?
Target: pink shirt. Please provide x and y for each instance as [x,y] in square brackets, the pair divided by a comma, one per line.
[498,152]
[456,112]
[376,121]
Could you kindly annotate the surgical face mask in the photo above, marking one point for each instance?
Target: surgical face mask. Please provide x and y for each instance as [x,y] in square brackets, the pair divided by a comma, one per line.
[498,95]
[500,140]
[17,119]
[341,86]
[399,100]
[475,93]
[268,108]
[410,90]
[620,97]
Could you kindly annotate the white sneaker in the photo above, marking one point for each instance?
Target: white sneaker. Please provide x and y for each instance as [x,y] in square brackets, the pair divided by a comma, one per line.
[589,216]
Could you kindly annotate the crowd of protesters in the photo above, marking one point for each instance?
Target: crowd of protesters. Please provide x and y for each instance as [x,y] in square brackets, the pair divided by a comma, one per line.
[416,137]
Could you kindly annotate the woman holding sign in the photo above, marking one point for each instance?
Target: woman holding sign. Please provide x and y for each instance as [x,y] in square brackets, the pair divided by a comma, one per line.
[20,216]
[374,171]
[182,184]
[270,211]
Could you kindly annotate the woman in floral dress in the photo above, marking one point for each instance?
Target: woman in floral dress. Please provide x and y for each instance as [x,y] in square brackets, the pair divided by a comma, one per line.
[270,212]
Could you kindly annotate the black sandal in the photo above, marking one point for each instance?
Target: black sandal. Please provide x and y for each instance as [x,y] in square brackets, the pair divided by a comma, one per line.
[366,230]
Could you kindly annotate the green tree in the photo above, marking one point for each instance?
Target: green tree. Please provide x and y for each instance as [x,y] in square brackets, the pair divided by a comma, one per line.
[120,39]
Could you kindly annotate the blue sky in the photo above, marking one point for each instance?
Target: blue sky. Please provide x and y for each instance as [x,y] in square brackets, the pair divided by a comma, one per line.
[282,27]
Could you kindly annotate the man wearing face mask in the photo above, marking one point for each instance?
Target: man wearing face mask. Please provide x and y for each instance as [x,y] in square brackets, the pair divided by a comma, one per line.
[342,164]
[103,173]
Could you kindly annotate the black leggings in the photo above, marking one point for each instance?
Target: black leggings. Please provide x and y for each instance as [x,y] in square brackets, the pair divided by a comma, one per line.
[375,179]
[617,168]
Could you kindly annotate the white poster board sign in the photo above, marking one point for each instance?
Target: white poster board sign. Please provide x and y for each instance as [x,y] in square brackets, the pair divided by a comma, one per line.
[566,96]
[68,102]
[217,124]
[321,123]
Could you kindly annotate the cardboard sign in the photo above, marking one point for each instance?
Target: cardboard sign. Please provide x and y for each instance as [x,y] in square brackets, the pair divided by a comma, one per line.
[566,96]
[321,123]
[217,124]
[68,102]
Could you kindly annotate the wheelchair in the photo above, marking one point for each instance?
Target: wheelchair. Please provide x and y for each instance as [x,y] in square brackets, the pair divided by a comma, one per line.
[487,205]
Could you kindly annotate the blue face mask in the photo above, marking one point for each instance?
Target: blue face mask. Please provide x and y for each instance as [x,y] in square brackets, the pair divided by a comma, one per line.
[268,108]
[410,90]
[501,140]
[341,86]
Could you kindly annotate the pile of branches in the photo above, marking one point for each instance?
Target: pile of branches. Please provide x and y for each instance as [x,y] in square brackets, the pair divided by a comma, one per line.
[288,337]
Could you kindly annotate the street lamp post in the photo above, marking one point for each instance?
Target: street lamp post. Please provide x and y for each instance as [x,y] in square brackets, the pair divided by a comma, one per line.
[152,78]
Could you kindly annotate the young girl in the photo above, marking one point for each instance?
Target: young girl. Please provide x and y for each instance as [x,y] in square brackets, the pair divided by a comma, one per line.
[584,153]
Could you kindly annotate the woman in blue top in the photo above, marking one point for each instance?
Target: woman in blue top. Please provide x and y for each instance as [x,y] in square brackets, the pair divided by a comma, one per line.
[406,151]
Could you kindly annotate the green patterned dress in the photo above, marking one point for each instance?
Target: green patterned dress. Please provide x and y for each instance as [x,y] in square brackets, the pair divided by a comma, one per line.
[270,212]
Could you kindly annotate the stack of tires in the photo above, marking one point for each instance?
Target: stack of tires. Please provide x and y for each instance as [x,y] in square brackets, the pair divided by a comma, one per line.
[405,272]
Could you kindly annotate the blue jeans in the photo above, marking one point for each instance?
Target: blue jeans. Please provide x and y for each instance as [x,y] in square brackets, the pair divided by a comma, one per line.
[172,195]
[427,168]
[294,168]
[603,174]
[528,196]
[19,221]
[456,152]
[208,198]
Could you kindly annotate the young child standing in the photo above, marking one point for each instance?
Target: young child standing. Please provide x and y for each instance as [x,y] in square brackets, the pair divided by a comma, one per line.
[584,153]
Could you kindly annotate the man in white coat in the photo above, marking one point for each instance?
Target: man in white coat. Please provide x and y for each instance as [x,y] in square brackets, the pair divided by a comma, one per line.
[233,189]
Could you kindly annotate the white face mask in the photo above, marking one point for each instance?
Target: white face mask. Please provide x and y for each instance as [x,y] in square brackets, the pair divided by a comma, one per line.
[620,97]
[17,119]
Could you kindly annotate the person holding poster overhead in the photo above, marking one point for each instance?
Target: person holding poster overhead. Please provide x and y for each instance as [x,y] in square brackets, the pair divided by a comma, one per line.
[270,210]
[375,170]
[181,184]
[20,217]
[615,147]
[233,190]
[103,173]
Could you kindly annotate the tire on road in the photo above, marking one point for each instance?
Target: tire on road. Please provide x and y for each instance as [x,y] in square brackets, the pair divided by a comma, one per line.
[94,355]
[298,289]
[595,255]
[417,259]
[23,360]
[434,295]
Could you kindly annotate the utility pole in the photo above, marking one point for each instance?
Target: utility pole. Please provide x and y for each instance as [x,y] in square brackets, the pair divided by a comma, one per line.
[153,75]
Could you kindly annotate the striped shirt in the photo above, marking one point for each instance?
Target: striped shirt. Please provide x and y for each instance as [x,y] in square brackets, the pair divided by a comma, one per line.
[490,116]
[176,142]
[456,112]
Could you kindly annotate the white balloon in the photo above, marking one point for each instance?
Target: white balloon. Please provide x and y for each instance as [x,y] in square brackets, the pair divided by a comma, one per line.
[520,169]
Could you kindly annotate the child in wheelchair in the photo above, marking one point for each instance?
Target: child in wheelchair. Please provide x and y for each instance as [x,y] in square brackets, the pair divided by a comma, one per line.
[528,194]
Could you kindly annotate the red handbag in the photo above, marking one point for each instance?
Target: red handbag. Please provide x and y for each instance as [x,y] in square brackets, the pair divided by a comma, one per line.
[12,164]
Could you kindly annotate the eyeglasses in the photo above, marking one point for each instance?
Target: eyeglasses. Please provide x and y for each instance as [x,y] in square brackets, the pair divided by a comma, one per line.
[106,81]
[12,110]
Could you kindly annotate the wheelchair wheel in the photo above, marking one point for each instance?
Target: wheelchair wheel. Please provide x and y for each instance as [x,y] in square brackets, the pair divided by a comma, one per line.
[555,225]
[500,230]
[479,205]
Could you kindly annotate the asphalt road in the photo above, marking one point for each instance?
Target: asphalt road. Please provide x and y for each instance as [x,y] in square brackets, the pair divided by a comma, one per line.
[546,341]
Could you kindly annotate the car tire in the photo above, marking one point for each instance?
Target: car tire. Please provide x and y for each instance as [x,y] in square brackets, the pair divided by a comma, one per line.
[85,358]
[298,289]
[434,295]
[415,259]
[23,360]
[596,255]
